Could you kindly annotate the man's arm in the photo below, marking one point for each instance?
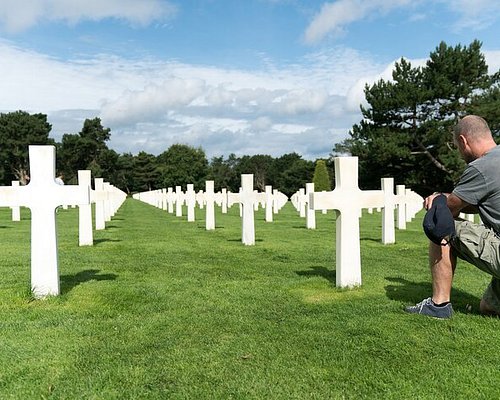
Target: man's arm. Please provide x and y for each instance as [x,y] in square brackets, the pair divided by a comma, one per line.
[457,205]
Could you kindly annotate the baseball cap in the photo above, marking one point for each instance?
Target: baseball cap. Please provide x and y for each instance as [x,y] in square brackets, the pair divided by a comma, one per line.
[438,222]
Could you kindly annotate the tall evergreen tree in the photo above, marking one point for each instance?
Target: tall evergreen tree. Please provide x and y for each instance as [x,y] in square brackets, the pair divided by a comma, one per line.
[321,179]
[407,125]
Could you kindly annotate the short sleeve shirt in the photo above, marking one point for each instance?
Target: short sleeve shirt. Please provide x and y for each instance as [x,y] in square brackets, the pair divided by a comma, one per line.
[479,186]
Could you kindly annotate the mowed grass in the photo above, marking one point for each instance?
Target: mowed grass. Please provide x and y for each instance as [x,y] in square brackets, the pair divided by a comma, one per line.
[160,308]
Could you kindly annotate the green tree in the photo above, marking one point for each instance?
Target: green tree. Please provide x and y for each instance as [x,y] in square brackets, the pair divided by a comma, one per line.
[125,179]
[292,172]
[259,165]
[321,179]
[146,172]
[487,105]
[407,125]
[182,164]
[222,172]
[18,130]
[86,150]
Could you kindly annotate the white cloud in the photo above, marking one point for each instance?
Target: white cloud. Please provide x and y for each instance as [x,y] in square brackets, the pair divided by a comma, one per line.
[493,60]
[355,95]
[15,17]
[150,105]
[154,99]
[333,17]
[474,14]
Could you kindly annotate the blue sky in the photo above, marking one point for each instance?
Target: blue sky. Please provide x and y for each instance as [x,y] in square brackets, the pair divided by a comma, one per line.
[231,76]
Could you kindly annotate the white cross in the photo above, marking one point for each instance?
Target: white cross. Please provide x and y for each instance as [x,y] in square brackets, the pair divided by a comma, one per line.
[100,198]
[223,200]
[388,232]
[209,198]
[348,200]
[190,202]
[310,213]
[16,210]
[108,212]
[301,202]
[246,199]
[279,200]
[85,211]
[170,200]
[164,199]
[269,203]
[43,195]
[179,199]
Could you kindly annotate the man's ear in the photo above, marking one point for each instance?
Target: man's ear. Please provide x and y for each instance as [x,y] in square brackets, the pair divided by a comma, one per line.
[462,140]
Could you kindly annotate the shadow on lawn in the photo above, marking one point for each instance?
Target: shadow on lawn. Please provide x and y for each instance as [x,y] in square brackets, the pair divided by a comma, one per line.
[413,292]
[239,240]
[68,282]
[370,239]
[98,241]
[328,274]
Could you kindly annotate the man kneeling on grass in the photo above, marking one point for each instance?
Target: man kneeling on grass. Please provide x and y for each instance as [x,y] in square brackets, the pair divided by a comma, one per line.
[478,191]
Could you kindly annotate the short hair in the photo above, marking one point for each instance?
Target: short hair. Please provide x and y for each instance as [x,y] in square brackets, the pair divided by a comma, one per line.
[472,127]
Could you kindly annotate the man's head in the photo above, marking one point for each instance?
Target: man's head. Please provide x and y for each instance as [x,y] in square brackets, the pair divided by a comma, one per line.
[473,138]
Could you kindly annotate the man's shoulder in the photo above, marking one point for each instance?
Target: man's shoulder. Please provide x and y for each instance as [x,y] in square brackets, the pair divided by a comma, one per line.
[491,158]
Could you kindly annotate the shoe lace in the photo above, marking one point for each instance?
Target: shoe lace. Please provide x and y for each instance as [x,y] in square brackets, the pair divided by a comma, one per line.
[423,303]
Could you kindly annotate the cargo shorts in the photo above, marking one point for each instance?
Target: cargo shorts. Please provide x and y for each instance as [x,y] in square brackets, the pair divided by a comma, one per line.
[480,246]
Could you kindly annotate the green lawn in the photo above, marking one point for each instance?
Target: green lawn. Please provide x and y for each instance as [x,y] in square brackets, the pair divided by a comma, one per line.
[160,308]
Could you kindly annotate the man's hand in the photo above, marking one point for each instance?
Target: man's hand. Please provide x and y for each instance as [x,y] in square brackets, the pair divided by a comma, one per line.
[455,204]
[428,200]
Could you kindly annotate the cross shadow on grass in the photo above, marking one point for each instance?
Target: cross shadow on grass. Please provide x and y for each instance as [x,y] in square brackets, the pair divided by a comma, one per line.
[328,274]
[371,239]
[411,293]
[99,241]
[239,240]
[68,282]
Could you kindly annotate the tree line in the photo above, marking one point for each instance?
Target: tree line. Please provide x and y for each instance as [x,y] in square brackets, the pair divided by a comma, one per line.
[179,165]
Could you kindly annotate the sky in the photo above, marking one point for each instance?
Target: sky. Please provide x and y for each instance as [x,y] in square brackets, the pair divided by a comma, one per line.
[230,76]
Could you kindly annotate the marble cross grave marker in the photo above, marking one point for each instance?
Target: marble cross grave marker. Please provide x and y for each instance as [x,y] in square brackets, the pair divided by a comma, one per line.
[190,202]
[246,199]
[85,236]
[179,200]
[310,213]
[100,198]
[348,200]
[209,198]
[16,210]
[269,203]
[43,195]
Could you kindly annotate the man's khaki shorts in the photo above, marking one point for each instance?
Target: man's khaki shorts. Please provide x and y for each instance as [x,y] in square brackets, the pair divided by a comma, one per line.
[480,246]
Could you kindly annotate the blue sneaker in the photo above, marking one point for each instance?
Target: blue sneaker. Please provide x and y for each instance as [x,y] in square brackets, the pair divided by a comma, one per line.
[427,307]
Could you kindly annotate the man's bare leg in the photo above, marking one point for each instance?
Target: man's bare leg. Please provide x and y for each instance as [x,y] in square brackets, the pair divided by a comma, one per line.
[442,262]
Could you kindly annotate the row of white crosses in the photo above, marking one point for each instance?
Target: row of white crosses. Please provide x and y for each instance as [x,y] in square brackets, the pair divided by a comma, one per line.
[247,198]
[407,202]
[107,199]
[42,196]
[348,201]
